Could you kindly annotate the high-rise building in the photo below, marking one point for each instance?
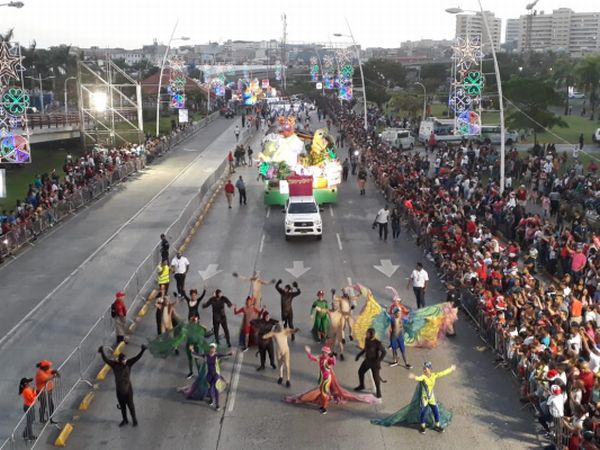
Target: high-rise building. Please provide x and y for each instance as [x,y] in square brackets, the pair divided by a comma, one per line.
[513,31]
[563,31]
[468,25]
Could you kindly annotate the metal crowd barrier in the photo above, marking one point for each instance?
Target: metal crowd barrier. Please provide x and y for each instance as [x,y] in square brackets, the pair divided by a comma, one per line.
[83,362]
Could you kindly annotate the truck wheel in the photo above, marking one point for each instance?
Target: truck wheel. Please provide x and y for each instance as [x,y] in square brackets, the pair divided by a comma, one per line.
[509,141]
[319,237]
[287,238]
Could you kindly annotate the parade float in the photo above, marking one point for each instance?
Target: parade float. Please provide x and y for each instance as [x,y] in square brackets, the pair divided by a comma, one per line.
[298,163]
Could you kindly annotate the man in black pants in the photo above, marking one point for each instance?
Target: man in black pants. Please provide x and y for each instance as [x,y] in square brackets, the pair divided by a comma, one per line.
[122,370]
[287,295]
[164,248]
[263,326]
[374,353]
[240,184]
[218,302]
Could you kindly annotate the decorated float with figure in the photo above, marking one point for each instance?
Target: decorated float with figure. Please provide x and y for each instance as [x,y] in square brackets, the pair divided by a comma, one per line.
[294,162]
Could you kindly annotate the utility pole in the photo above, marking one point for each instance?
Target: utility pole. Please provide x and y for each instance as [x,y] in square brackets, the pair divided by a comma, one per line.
[283,50]
[529,28]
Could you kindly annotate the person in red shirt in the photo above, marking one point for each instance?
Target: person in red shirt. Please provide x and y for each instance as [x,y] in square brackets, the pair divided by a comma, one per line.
[229,192]
[29,395]
[230,161]
[587,376]
[119,315]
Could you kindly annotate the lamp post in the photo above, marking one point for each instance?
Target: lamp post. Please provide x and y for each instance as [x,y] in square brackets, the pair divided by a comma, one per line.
[40,79]
[162,68]
[17,5]
[362,75]
[498,82]
[66,95]
[424,99]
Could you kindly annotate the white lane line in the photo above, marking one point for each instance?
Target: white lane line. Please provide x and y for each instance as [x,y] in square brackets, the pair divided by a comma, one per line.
[268,212]
[234,381]
[89,258]
[262,244]
[331,210]
[349,280]
[339,241]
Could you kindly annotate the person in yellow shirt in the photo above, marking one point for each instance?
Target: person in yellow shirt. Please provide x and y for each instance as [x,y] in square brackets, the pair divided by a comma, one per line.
[427,383]
[163,272]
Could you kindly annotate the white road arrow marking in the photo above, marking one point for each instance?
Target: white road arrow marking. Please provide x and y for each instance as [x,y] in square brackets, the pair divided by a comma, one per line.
[210,271]
[298,270]
[386,267]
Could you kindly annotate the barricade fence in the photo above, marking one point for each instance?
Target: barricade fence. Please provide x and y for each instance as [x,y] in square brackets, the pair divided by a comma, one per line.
[26,232]
[82,364]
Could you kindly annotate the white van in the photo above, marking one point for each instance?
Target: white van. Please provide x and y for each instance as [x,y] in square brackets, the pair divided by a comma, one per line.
[398,137]
[303,217]
[443,130]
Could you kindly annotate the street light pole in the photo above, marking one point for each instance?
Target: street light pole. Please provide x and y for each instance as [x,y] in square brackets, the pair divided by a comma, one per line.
[162,69]
[499,83]
[66,95]
[424,99]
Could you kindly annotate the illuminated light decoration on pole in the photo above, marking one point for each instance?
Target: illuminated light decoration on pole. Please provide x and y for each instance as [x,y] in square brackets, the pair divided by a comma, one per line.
[314,69]
[345,91]
[278,70]
[14,100]
[328,71]
[467,85]
[177,80]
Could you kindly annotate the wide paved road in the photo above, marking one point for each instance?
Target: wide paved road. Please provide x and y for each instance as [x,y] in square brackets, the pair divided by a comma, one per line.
[71,274]
[484,400]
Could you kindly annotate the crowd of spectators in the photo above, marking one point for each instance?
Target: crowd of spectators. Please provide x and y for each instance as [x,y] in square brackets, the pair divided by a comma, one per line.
[523,263]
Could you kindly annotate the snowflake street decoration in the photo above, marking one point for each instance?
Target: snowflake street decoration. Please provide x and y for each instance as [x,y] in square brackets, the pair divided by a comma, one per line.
[328,83]
[14,100]
[314,72]
[344,56]
[328,65]
[460,101]
[345,92]
[177,79]
[467,86]
[467,53]
[347,71]
[468,123]
[473,83]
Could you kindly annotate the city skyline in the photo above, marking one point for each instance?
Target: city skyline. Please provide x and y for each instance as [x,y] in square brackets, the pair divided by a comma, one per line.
[376,24]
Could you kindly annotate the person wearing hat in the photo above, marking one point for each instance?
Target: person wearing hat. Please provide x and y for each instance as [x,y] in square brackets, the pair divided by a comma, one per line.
[44,385]
[118,312]
[374,353]
[29,394]
[216,382]
[552,408]
[428,402]
[122,370]
[326,362]
[320,309]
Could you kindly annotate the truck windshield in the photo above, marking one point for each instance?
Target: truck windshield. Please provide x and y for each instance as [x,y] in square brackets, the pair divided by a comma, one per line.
[302,208]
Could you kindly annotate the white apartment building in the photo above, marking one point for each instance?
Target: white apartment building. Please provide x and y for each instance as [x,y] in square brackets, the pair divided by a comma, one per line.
[472,25]
[563,30]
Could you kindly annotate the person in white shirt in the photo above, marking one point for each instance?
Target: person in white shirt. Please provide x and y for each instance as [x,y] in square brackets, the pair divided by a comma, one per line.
[382,219]
[180,266]
[419,279]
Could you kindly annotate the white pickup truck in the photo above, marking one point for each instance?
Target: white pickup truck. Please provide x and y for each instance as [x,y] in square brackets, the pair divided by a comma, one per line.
[303,217]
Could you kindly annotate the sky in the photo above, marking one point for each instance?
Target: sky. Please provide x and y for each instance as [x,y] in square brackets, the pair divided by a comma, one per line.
[132,23]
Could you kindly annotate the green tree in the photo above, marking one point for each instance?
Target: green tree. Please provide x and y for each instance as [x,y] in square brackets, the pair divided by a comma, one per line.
[531,98]
[405,102]
[588,76]
[563,74]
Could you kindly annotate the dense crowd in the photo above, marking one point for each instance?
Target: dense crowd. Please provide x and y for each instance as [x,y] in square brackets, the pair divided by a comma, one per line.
[526,262]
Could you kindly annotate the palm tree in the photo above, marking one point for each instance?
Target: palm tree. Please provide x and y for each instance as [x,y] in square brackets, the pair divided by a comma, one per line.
[563,74]
[588,75]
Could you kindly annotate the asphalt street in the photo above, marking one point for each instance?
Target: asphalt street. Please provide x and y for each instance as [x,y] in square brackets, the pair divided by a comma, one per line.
[484,400]
[71,274]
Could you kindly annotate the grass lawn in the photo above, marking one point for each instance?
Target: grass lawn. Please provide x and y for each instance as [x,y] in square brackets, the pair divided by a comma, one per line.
[577,125]
[165,122]
[19,176]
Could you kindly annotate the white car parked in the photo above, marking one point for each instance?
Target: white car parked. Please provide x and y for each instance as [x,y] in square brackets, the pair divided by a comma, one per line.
[596,136]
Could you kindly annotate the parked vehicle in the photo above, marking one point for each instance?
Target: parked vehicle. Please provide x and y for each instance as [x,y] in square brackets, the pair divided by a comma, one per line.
[576,95]
[596,136]
[490,134]
[443,130]
[398,137]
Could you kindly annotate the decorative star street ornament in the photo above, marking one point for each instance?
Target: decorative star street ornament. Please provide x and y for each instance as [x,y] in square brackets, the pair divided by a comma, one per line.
[177,64]
[467,53]
[10,63]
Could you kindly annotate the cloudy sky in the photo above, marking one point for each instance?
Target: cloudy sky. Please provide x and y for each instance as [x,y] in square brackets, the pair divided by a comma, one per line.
[131,23]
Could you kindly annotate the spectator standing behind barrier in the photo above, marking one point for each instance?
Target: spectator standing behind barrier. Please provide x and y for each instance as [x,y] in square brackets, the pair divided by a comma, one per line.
[28,394]
[240,184]
[229,192]
[118,311]
[164,248]
[419,278]
[180,266]
[44,384]
[122,370]
[230,161]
